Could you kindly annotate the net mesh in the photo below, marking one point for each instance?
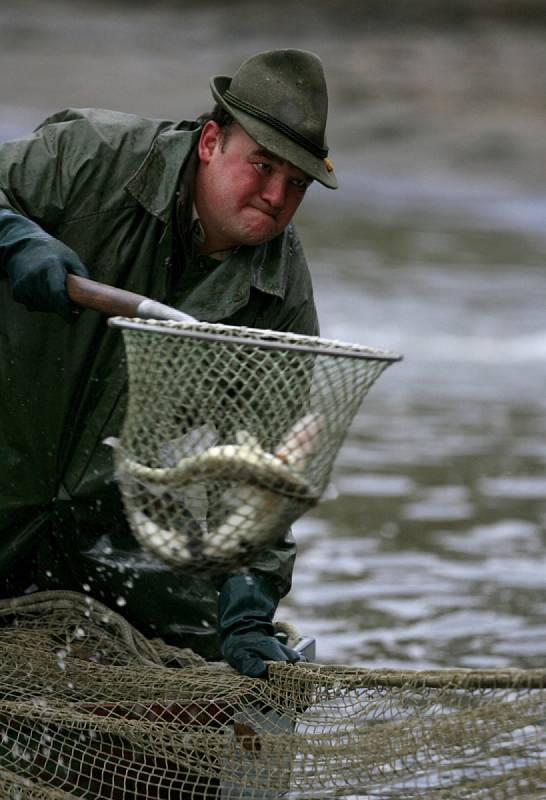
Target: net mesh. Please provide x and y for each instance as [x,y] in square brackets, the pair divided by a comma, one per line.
[90,708]
[231,434]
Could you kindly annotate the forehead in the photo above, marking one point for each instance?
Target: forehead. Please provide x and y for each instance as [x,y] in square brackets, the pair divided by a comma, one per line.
[249,148]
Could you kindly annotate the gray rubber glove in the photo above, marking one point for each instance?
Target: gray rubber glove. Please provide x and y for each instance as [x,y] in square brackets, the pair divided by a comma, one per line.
[246,607]
[37,265]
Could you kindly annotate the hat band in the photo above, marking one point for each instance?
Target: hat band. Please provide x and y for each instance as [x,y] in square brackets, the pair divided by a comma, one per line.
[296,137]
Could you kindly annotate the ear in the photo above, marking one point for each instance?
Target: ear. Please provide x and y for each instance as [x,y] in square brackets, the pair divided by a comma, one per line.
[210,139]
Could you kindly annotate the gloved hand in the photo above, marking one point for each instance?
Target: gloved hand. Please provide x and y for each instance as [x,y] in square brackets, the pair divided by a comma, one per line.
[37,265]
[246,607]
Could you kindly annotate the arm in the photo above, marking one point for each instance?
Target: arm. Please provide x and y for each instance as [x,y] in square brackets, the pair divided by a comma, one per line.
[45,180]
[248,601]
[36,175]
[246,607]
[37,265]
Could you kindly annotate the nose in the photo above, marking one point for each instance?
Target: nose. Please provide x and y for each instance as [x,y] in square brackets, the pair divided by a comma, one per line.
[274,191]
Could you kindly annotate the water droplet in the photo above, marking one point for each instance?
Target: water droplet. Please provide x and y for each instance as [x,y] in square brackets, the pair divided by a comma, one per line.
[61,654]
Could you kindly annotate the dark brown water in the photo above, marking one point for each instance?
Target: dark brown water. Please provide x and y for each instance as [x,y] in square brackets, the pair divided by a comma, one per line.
[433,552]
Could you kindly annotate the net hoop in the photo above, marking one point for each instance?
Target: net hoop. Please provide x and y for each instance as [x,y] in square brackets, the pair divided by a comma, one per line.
[231,434]
[255,337]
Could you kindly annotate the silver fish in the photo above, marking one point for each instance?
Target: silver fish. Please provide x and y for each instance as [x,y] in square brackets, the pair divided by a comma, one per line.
[268,484]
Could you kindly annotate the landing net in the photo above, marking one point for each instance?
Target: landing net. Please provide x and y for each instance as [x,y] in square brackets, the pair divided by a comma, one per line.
[89,708]
[231,434]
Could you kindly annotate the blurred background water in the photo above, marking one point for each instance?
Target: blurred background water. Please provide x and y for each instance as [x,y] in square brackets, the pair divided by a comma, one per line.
[431,548]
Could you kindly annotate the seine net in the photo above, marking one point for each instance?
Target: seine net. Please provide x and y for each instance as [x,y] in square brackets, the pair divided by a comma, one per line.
[89,708]
[231,434]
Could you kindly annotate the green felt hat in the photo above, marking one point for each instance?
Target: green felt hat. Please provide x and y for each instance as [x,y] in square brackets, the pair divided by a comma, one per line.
[280,99]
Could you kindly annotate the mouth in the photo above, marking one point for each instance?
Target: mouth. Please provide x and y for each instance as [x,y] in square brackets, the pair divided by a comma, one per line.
[268,212]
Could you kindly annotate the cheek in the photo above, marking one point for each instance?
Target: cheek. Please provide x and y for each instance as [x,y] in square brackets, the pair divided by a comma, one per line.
[225,184]
[246,186]
[223,187]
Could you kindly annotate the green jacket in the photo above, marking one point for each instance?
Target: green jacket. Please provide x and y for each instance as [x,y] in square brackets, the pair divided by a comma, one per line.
[105,183]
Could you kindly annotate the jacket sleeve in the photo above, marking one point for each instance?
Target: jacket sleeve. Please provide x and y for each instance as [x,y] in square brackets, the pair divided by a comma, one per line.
[38,173]
[57,174]
[277,563]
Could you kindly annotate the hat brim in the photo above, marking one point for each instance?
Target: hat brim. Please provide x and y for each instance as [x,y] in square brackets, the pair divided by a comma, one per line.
[273,140]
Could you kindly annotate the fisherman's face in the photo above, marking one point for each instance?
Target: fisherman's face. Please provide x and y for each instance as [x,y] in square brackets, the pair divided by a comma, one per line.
[244,195]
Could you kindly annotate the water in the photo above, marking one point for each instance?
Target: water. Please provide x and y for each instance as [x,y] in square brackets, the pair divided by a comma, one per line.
[430,550]
[433,551]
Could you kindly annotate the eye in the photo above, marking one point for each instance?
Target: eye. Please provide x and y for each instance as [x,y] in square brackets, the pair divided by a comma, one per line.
[263,167]
[300,183]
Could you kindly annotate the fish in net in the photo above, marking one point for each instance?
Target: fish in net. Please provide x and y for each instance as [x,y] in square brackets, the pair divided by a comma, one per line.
[230,434]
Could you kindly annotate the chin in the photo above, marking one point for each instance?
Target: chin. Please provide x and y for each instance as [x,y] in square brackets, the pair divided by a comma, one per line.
[256,241]
[261,236]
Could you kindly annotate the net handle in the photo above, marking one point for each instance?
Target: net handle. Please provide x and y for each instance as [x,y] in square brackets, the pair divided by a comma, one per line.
[116,302]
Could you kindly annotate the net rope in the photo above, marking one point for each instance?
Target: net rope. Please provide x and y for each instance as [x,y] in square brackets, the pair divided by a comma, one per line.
[231,434]
[90,708]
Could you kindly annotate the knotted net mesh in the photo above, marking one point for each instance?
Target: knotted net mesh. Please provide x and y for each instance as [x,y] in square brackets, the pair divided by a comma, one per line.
[231,434]
[89,708]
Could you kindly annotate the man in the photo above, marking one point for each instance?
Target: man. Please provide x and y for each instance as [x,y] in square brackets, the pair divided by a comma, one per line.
[197,215]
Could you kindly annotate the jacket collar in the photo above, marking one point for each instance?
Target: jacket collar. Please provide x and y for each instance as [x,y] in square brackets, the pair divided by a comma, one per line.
[155,182]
